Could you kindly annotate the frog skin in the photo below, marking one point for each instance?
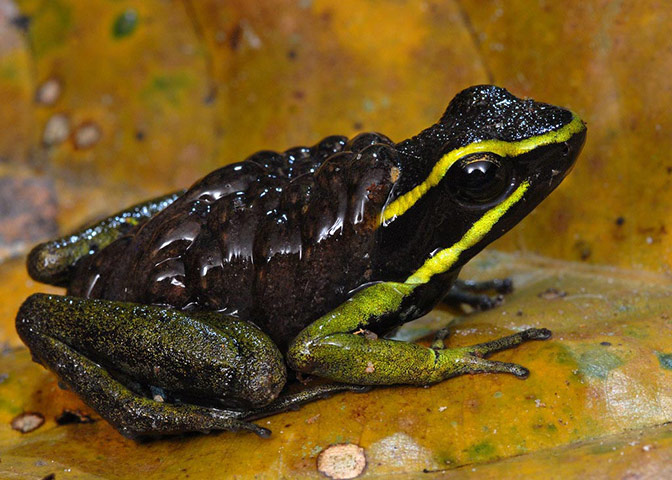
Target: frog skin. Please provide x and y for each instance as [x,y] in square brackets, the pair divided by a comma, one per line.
[184,313]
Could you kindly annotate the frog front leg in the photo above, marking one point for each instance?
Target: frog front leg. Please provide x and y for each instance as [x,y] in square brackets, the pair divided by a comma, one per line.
[331,346]
[110,352]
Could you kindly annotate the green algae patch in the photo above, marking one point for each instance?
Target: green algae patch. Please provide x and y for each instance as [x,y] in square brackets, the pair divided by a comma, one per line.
[50,26]
[665,360]
[125,23]
[168,89]
[598,362]
[481,451]
[636,332]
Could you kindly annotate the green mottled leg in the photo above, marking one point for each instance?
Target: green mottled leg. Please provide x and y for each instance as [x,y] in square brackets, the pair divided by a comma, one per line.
[331,346]
[53,262]
[471,293]
[92,345]
[134,416]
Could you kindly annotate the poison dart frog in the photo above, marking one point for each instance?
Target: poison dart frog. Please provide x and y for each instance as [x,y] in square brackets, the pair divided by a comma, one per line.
[186,312]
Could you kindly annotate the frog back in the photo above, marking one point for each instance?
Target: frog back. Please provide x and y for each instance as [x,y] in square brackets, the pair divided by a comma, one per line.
[277,239]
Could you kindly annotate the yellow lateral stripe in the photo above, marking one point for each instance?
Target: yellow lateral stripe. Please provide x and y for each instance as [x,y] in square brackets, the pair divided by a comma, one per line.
[447,257]
[499,147]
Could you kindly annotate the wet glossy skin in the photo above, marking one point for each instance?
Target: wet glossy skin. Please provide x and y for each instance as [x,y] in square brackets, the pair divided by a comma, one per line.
[232,239]
[306,257]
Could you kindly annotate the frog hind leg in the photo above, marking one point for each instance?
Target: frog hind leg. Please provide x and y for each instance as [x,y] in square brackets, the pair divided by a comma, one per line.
[209,356]
[473,293]
[294,400]
[333,347]
[53,262]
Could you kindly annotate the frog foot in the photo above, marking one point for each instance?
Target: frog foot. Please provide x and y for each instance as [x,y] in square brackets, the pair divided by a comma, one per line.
[471,293]
[472,359]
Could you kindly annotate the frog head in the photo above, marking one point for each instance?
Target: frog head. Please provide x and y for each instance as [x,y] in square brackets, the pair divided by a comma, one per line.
[489,161]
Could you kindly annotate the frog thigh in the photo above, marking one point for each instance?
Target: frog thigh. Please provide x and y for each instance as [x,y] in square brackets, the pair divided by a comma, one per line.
[329,347]
[53,262]
[209,356]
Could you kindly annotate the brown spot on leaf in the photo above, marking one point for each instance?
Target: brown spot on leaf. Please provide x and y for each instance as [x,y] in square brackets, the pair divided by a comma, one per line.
[235,36]
[552,294]
[87,135]
[312,419]
[596,163]
[49,92]
[561,220]
[56,130]
[27,422]
[342,461]
[584,249]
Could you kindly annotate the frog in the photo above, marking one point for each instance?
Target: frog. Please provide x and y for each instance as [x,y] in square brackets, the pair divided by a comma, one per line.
[193,311]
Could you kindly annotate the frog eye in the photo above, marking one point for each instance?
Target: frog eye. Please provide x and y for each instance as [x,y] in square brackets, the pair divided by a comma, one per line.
[480,179]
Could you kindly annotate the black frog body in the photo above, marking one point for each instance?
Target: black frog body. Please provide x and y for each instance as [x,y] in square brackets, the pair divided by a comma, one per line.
[302,259]
[278,239]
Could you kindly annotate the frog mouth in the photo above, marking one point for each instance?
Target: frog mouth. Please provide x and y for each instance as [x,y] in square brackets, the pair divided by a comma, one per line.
[552,163]
[569,154]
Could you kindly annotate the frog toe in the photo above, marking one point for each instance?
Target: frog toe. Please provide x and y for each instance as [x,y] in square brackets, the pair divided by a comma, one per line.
[221,420]
[472,359]
[477,301]
[481,365]
[511,341]
[475,294]
[294,400]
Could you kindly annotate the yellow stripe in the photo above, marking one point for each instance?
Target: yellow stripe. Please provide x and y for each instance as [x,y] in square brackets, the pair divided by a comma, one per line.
[499,147]
[447,257]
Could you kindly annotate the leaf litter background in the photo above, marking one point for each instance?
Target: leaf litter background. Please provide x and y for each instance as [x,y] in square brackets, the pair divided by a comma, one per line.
[107,102]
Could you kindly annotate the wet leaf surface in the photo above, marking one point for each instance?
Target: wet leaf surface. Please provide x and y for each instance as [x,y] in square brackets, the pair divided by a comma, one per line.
[598,378]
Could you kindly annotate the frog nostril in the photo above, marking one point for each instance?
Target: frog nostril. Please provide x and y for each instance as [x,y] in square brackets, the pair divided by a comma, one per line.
[565,149]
